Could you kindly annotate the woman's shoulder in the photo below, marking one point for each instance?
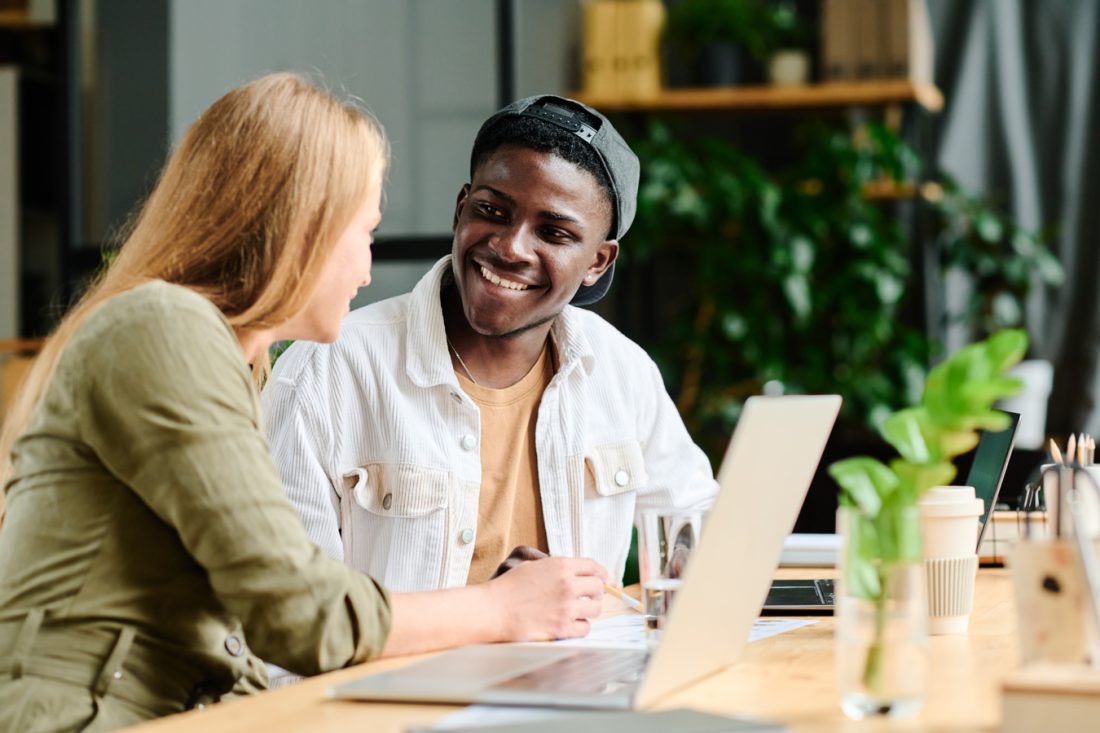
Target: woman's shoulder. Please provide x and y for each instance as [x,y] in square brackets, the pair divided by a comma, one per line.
[157,320]
[156,300]
[157,311]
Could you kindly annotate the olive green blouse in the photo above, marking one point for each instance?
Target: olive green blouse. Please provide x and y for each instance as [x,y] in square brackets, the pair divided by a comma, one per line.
[149,550]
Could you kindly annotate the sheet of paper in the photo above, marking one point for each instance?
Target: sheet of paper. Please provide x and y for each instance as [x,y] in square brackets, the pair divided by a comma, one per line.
[628,631]
[765,627]
[486,715]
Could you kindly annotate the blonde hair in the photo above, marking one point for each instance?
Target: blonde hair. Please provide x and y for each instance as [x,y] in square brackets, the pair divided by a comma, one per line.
[246,212]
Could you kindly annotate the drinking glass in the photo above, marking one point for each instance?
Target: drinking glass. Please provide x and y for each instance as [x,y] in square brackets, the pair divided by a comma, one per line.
[666,539]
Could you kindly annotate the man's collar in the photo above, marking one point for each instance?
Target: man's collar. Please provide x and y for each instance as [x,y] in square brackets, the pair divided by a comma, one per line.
[427,360]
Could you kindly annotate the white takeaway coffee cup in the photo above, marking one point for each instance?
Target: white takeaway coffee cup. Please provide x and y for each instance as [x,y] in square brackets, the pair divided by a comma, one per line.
[949,526]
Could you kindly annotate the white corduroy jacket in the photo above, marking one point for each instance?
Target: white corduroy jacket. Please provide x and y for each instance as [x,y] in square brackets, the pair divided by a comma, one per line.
[378,445]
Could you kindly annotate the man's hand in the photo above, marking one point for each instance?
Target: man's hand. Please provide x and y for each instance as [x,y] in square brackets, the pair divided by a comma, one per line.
[518,556]
[551,598]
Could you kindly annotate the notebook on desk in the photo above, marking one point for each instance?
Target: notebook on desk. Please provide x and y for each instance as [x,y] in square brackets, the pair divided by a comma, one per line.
[987,471]
[762,483]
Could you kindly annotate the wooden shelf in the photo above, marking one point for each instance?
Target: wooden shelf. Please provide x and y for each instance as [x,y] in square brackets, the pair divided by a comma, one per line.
[898,191]
[28,346]
[16,20]
[762,98]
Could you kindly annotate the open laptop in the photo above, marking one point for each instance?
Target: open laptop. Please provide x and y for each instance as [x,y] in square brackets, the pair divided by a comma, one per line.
[987,471]
[762,483]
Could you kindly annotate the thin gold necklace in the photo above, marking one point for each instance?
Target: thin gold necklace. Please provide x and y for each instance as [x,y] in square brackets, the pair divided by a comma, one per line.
[463,364]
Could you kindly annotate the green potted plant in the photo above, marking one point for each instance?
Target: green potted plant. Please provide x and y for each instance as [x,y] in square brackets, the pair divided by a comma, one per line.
[881,556]
[789,60]
[1003,260]
[790,277]
[715,42]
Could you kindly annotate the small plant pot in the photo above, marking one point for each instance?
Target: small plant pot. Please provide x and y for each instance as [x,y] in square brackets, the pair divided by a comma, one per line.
[789,67]
[722,64]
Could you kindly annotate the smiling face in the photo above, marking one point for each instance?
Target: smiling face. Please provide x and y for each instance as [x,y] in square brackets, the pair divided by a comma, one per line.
[347,270]
[529,229]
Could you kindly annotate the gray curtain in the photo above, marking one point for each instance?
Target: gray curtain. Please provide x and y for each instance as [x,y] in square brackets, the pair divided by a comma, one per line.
[1022,84]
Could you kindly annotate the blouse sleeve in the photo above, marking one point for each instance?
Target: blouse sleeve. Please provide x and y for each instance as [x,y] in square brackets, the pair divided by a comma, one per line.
[172,413]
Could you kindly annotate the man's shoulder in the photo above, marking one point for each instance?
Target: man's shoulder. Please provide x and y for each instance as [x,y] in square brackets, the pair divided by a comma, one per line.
[369,333]
[608,343]
[381,314]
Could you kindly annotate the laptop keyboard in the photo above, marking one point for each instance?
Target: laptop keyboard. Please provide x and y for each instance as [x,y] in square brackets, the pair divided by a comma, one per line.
[585,673]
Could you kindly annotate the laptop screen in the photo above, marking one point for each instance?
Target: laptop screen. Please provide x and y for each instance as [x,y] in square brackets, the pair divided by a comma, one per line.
[988,469]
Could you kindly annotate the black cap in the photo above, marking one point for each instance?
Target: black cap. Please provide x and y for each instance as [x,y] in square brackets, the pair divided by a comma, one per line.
[619,162]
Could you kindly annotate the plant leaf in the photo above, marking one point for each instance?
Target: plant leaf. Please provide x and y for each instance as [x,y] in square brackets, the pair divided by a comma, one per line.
[904,431]
[865,481]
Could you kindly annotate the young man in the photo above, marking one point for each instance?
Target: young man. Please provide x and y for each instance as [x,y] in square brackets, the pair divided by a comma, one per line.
[482,412]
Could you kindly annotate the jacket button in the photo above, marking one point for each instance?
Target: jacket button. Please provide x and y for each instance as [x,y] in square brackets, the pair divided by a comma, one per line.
[469,442]
[466,535]
[456,397]
[387,501]
[233,645]
[622,478]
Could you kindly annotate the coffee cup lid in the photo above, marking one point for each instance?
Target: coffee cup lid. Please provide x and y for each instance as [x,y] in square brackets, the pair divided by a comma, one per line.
[951,501]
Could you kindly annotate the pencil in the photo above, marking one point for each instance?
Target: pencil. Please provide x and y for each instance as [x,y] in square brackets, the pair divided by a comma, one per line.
[1082,449]
[1071,448]
[632,603]
[1055,454]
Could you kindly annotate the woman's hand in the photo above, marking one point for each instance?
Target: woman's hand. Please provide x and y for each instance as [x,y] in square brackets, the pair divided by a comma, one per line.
[548,598]
[539,600]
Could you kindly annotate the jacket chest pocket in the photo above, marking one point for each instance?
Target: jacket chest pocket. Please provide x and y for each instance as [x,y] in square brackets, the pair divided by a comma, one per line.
[613,469]
[394,520]
[613,474]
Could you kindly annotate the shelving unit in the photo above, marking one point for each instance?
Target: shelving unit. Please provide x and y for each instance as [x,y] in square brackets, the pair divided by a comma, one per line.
[762,115]
[878,93]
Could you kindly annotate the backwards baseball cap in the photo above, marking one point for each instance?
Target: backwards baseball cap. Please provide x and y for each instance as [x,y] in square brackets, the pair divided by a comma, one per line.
[618,160]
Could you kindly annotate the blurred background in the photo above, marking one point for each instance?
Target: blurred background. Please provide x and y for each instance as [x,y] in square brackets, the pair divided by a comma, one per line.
[835,193]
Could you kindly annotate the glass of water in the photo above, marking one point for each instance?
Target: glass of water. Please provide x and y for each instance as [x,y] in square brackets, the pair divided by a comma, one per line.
[666,540]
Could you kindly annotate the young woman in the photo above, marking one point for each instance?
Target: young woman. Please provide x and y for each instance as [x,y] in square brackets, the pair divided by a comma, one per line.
[148,555]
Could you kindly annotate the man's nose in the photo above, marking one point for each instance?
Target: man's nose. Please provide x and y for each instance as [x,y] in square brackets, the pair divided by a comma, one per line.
[516,243]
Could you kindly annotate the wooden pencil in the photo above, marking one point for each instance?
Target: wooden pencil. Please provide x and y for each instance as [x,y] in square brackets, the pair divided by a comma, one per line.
[632,603]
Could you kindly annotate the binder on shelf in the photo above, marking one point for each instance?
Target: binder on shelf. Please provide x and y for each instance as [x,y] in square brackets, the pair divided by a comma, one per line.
[876,39]
[838,40]
[871,49]
[909,40]
[621,48]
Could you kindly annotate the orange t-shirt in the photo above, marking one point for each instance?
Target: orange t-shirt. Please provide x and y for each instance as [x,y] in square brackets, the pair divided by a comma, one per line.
[509,509]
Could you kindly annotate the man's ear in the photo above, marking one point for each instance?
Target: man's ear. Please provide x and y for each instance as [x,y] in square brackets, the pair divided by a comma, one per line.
[460,203]
[605,256]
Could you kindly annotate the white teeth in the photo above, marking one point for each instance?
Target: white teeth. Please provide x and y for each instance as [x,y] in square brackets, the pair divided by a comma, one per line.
[485,273]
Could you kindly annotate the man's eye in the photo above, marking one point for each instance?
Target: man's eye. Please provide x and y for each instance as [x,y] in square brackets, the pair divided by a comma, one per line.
[557,235]
[490,210]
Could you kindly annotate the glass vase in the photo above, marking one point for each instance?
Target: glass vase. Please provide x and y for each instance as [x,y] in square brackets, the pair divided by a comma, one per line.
[881,615]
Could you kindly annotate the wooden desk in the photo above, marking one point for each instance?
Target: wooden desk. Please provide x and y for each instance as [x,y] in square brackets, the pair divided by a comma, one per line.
[788,677]
[16,356]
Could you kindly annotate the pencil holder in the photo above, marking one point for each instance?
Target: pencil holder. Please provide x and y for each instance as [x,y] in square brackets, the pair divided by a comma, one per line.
[1055,477]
